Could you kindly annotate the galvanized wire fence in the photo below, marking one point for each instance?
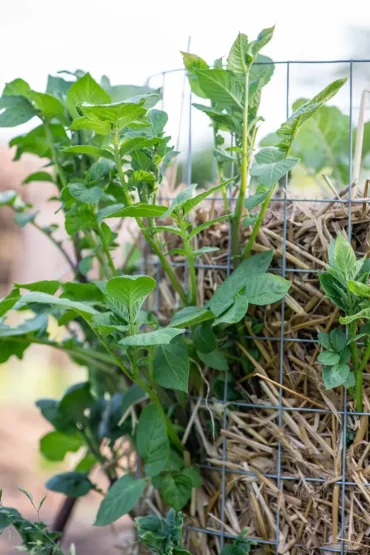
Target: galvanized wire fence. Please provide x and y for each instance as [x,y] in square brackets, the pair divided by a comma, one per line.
[347,105]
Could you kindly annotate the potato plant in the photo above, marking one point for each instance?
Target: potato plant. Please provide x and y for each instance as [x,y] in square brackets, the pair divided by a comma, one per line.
[346,354]
[106,153]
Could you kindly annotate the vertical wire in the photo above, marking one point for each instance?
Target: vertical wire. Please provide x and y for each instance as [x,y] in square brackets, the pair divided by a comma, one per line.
[224,423]
[281,362]
[344,422]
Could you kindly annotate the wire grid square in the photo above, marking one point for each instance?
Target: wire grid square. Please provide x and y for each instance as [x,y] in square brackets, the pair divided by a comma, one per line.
[344,483]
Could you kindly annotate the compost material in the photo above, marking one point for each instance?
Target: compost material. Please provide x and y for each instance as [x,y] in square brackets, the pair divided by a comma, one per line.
[275,446]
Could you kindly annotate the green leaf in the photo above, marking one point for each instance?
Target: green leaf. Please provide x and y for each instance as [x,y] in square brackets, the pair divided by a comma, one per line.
[82,292]
[93,124]
[76,400]
[334,290]
[175,489]
[163,336]
[206,225]
[190,316]
[262,39]
[194,476]
[338,339]
[18,87]
[204,338]
[241,546]
[350,381]
[336,375]
[120,499]
[121,114]
[73,484]
[139,211]
[171,366]
[344,257]
[235,313]
[179,201]
[239,58]
[55,445]
[85,89]
[271,165]
[48,105]
[89,150]
[266,289]
[324,340]
[363,314]
[152,441]
[39,176]
[7,303]
[328,358]
[290,128]
[192,62]
[214,359]
[133,395]
[222,87]
[50,411]
[22,218]
[44,298]
[194,201]
[255,200]
[86,195]
[224,295]
[127,293]
[37,324]
[45,286]
[358,288]
[17,110]
[158,120]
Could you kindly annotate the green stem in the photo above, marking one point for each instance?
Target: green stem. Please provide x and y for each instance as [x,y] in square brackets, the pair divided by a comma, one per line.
[106,248]
[261,215]
[191,261]
[57,165]
[359,378]
[152,242]
[235,231]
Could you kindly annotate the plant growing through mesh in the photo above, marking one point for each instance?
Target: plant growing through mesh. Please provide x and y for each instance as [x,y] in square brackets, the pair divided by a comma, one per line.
[235,93]
[106,153]
[346,352]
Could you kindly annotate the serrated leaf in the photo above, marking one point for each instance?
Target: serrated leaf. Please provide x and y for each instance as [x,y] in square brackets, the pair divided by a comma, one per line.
[152,441]
[271,165]
[171,366]
[120,499]
[336,375]
[162,336]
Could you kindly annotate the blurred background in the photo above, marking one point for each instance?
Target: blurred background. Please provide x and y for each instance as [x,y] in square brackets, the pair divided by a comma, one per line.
[135,43]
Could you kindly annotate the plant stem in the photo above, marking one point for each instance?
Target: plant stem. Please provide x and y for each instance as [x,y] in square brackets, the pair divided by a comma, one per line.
[191,261]
[58,167]
[152,242]
[261,215]
[106,248]
[359,378]
[235,228]
[219,175]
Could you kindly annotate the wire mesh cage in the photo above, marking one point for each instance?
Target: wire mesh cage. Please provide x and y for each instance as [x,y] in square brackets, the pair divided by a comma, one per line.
[297,427]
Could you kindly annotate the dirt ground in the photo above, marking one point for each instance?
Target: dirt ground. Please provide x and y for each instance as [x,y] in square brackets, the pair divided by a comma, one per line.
[21,466]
